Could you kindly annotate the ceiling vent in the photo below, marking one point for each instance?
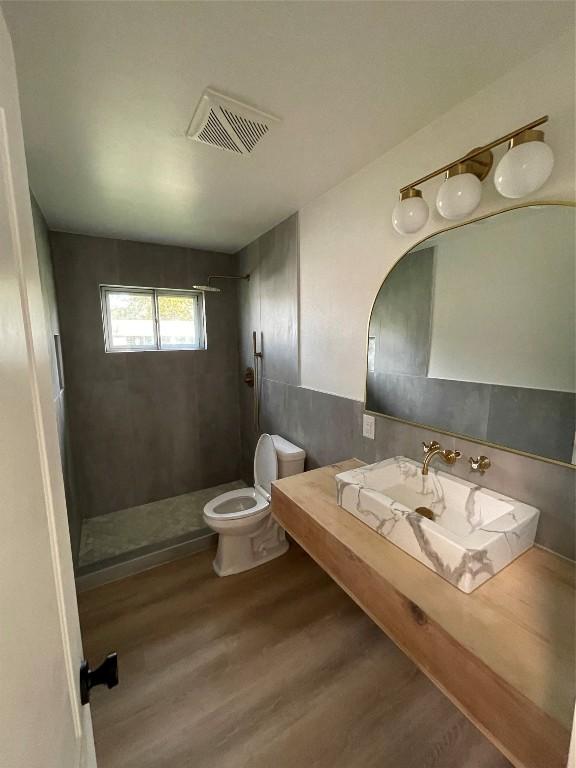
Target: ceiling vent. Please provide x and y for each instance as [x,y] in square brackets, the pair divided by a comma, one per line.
[228,124]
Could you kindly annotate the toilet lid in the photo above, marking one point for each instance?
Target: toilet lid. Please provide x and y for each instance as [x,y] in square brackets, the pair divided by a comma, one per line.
[265,464]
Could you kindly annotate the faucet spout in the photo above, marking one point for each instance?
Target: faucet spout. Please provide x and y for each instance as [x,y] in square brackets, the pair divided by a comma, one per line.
[433,449]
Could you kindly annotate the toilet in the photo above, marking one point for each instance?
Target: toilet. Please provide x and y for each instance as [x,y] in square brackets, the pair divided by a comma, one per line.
[248,534]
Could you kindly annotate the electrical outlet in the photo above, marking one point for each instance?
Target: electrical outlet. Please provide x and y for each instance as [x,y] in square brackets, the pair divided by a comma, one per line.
[368,426]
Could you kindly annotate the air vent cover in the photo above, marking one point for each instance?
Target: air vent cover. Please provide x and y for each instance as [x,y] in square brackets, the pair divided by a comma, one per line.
[228,124]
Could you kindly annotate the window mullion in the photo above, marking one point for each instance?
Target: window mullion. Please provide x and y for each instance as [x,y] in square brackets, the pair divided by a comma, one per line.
[200,330]
[157,321]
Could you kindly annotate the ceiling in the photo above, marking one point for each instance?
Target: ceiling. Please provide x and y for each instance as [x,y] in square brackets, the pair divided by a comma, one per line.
[108,90]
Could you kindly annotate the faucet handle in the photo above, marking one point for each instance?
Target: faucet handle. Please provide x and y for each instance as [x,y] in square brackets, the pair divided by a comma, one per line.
[431,446]
[479,464]
[450,456]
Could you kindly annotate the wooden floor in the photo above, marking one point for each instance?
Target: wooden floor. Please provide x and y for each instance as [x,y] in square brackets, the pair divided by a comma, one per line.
[274,668]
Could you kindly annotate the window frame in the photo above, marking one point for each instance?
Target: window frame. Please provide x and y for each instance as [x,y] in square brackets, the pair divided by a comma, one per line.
[155,293]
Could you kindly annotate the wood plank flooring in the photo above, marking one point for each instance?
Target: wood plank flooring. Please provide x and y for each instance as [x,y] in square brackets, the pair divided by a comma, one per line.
[274,668]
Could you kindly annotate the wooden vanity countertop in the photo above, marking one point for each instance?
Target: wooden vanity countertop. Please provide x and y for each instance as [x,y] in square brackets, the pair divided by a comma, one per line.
[503,654]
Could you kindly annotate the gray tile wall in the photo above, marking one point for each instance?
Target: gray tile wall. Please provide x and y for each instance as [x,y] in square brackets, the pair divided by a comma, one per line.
[268,305]
[329,428]
[145,425]
[59,393]
[279,301]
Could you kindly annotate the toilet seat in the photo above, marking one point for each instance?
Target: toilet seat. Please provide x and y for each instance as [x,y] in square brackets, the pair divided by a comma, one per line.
[237,504]
[248,502]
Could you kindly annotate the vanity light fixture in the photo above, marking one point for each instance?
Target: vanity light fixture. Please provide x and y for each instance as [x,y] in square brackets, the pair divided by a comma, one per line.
[410,212]
[461,192]
[524,168]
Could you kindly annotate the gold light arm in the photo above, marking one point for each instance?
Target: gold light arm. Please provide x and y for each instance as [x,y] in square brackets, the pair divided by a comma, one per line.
[478,151]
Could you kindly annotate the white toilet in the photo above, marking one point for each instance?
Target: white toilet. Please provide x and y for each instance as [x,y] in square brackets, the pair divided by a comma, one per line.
[249,535]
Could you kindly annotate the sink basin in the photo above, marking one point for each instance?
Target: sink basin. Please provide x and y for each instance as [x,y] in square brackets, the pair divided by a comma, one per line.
[474,532]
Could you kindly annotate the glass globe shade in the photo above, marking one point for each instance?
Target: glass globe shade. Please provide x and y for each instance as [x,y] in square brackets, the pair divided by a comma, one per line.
[459,196]
[523,169]
[410,215]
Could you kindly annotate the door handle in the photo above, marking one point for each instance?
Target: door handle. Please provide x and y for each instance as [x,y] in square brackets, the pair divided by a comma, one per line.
[105,674]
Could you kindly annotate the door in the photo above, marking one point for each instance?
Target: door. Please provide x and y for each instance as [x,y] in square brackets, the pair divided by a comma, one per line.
[42,723]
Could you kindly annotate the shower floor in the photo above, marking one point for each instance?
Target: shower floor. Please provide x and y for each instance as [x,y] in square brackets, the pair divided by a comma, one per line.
[148,527]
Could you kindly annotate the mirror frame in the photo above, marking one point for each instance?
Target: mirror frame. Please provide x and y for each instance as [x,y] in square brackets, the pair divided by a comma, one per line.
[498,446]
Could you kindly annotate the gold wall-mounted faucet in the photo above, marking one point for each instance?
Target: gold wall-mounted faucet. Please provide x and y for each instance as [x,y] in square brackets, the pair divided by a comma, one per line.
[435,449]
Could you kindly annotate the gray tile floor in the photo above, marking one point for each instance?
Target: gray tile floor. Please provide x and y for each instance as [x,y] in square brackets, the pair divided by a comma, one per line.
[119,533]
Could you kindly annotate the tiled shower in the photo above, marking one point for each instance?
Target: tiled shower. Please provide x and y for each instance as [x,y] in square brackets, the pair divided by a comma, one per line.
[152,436]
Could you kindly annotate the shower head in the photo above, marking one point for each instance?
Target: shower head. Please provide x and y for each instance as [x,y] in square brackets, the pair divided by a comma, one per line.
[211,288]
[207,288]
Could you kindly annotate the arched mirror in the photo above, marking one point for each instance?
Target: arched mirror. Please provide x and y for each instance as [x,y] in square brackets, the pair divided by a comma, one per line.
[473,333]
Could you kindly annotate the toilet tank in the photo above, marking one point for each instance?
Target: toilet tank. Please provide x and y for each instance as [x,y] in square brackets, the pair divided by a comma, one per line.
[290,457]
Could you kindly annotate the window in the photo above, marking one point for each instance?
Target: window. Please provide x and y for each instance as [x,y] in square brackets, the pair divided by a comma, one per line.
[140,319]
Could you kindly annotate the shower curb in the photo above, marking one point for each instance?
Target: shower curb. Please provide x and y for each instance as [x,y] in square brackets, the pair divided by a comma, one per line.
[115,571]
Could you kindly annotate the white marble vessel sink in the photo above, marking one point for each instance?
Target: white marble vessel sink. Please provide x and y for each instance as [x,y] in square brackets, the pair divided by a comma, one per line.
[474,534]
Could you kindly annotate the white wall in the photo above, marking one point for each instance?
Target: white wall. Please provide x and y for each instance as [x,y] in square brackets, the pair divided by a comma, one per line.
[504,310]
[41,719]
[347,243]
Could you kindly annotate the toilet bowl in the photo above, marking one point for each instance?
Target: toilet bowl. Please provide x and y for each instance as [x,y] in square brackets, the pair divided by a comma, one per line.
[248,534]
